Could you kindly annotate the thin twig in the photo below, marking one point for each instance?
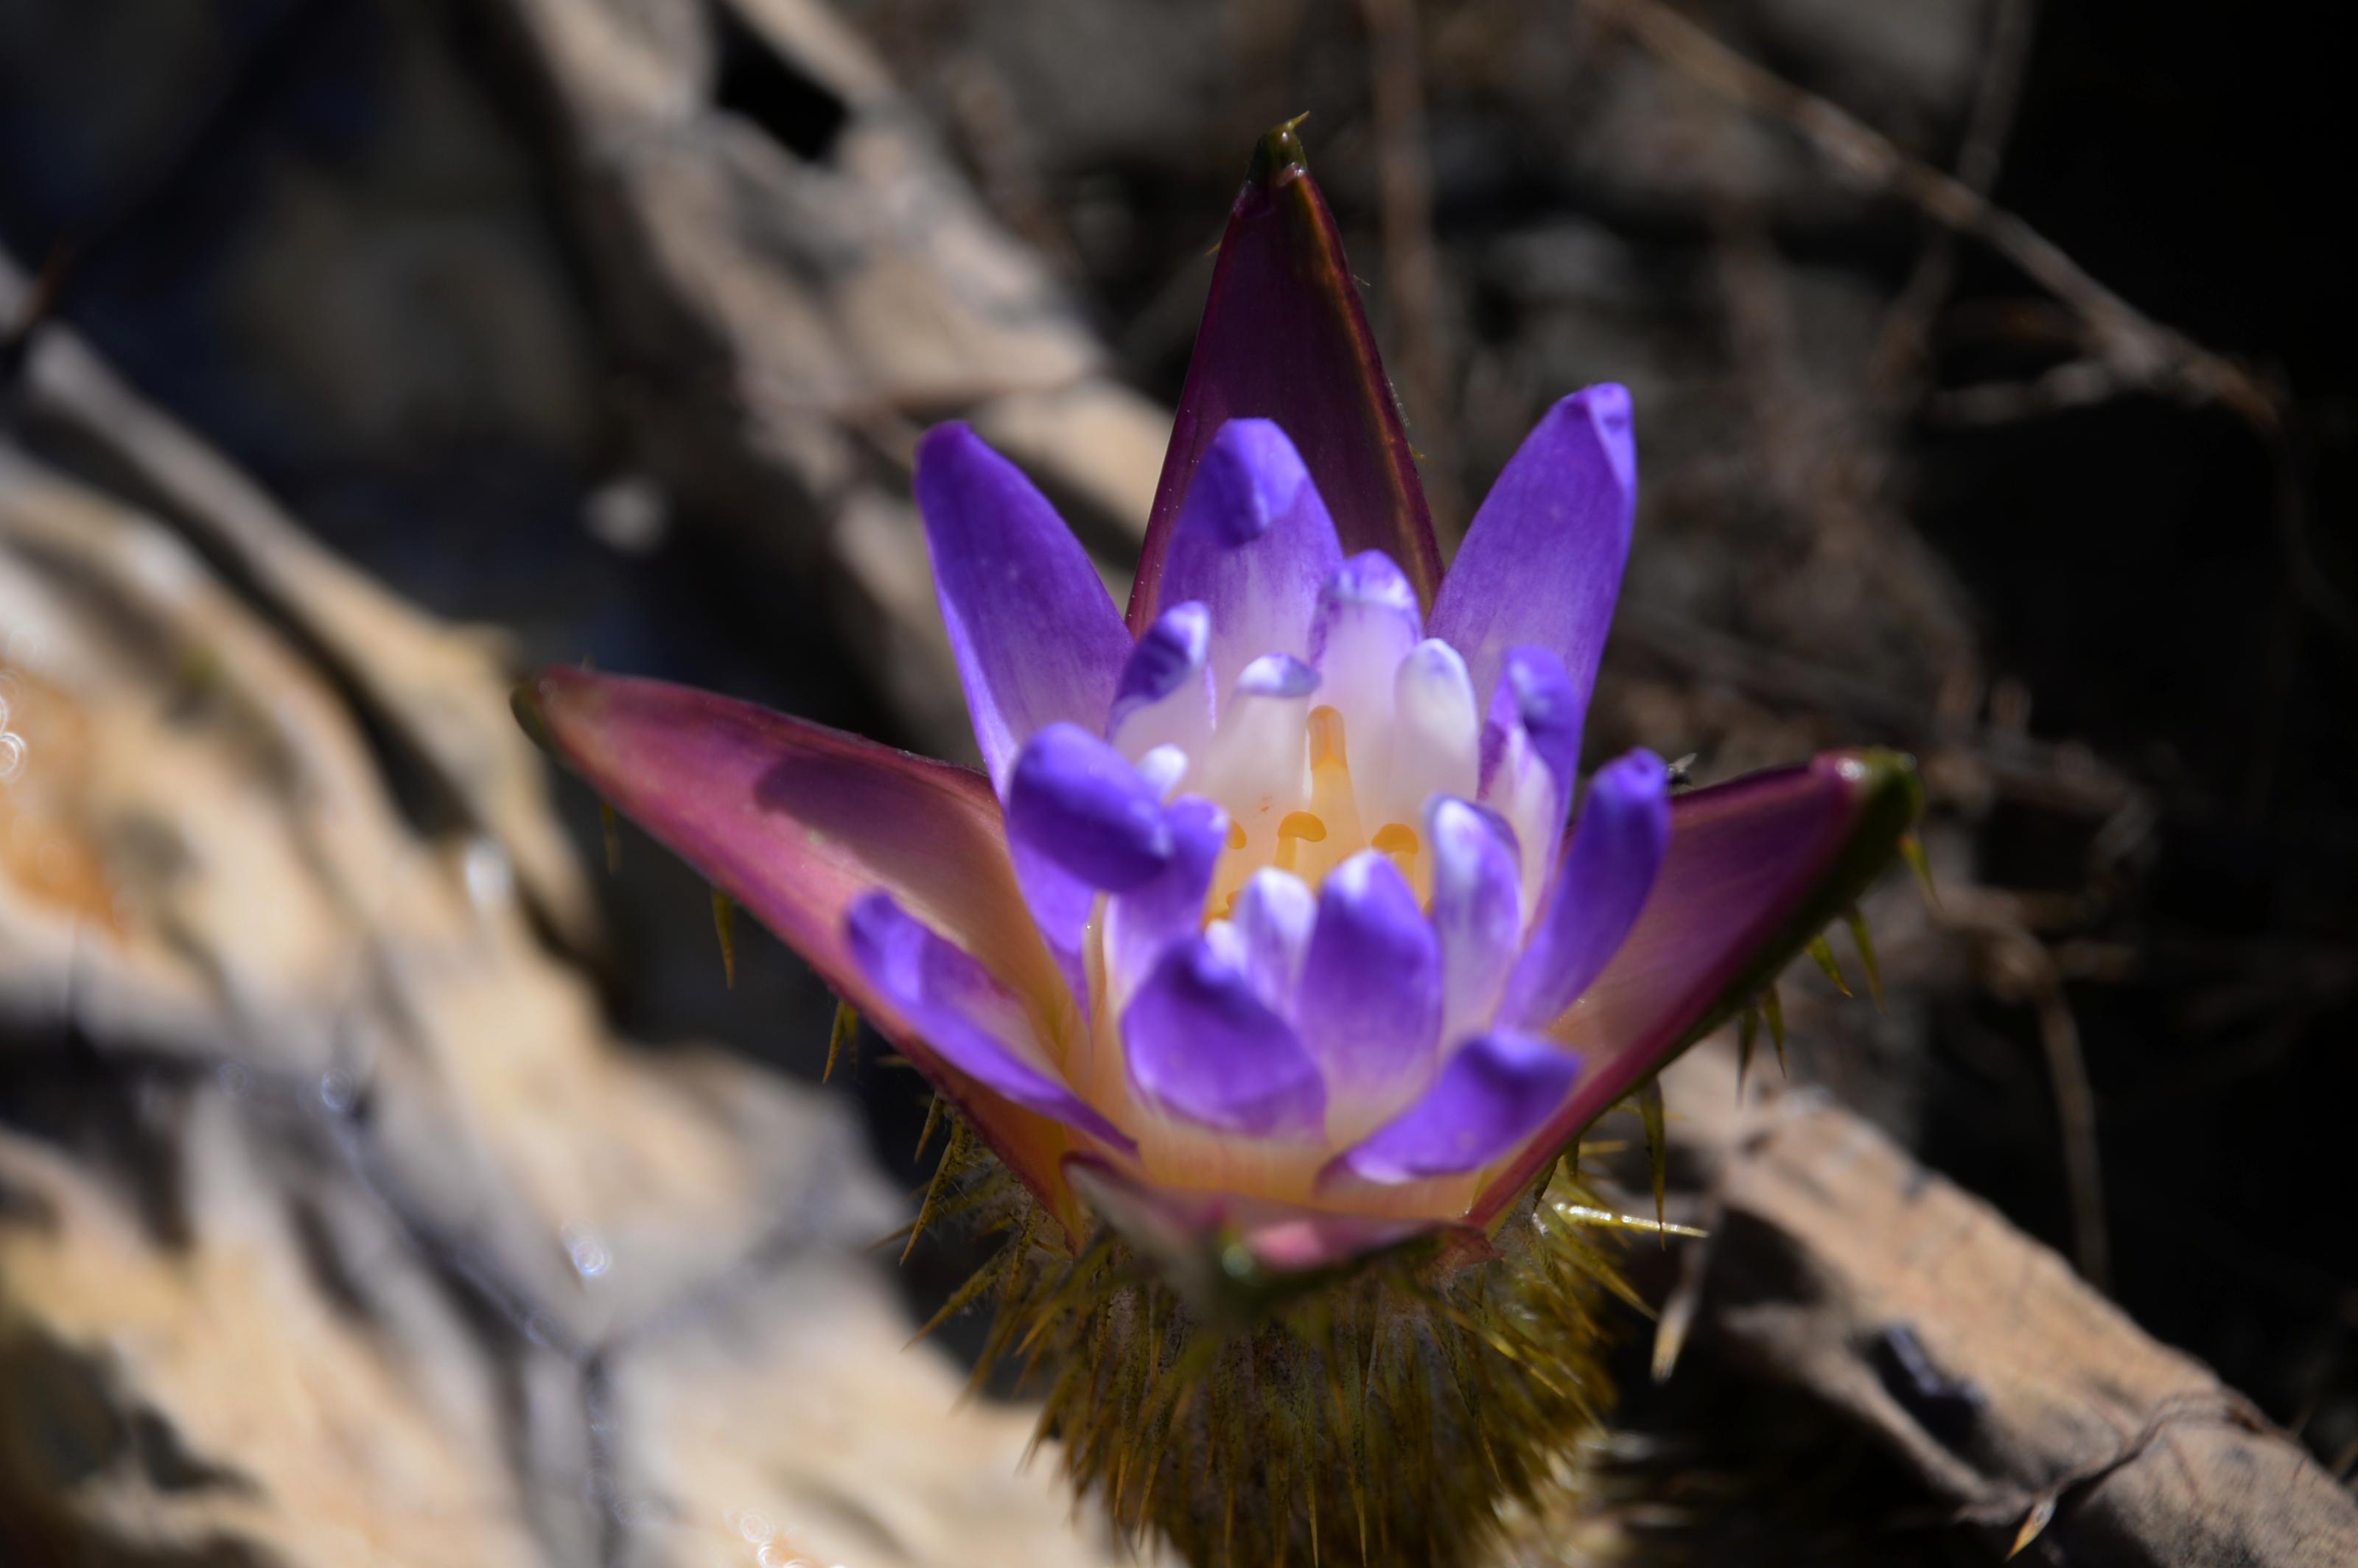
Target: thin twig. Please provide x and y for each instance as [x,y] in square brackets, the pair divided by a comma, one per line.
[2144,354]
[237,97]
[1902,350]
[2025,969]
[2135,352]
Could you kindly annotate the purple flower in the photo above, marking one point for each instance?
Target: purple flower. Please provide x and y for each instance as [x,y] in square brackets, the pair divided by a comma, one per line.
[1281,910]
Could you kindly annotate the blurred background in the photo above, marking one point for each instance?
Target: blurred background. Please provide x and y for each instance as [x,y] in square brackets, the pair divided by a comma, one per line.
[380,1179]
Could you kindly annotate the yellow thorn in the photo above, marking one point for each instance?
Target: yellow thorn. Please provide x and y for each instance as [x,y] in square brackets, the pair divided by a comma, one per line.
[724,922]
[1670,1338]
[844,1032]
[932,1119]
[2032,1524]
[1658,1150]
[930,1208]
[1747,1030]
[1822,951]
[614,826]
[1773,1009]
[1911,849]
[1865,942]
[1606,1219]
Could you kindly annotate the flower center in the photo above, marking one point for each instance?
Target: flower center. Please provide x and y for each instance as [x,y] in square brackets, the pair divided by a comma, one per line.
[1313,838]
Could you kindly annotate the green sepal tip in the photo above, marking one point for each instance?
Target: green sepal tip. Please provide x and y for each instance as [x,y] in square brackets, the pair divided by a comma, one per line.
[1863,940]
[1822,952]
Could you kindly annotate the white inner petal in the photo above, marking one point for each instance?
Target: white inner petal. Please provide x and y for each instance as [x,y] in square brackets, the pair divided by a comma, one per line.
[1274,914]
[1436,732]
[1524,792]
[1182,718]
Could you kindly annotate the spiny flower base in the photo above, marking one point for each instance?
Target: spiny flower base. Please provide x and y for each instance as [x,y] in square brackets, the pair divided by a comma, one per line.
[1393,1414]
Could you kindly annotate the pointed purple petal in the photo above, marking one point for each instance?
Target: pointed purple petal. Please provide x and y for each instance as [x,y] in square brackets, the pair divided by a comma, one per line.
[794,822]
[1284,338]
[1036,635]
[1073,800]
[974,1023]
[1616,849]
[1165,695]
[1370,995]
[1542,562]
[1253,543]
[1494,1093]
[1477,914]
[1755,869]
[1062,905]
[1203,1047]
[1146,920]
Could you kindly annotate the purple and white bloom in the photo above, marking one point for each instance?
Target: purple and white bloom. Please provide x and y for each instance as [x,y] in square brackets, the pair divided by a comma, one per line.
[1280,912]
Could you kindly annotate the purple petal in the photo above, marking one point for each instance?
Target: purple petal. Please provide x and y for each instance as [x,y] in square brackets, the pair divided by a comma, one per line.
[1062,905]
[1370,995]
[968,1017]
[1542,562]
[1755,869]
[1253,544]
[1141,922]
[1165,695]
[1275,912]
[1202,1046]
[794,822]
[1478,912]
[1550,709]
[1037,637]
[1284,338]
[1616,849]
[1494,1092]
[1074,800]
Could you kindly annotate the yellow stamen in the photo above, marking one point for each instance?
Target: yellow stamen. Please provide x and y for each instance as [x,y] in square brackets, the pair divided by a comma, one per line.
[1399,840]
[1326,738]
[1298,829]
[1331,796]
[1236,835]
